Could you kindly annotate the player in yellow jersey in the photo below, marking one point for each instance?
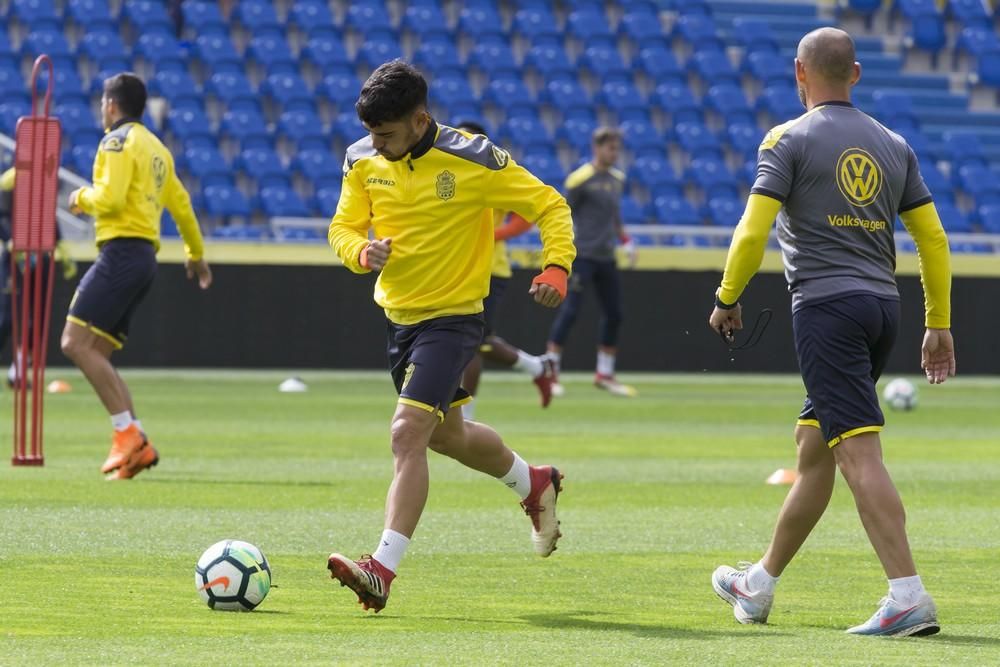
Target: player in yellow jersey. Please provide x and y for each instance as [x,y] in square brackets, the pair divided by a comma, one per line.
[506,225]
[427,192]
[133,180]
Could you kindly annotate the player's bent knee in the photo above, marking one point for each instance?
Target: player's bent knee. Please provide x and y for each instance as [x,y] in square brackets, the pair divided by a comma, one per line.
[410,431]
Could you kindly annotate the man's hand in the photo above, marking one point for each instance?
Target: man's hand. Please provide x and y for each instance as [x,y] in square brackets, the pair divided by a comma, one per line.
[549,286]
[376,254]
[727,321]
[937,355]
[200,268]
[74,207]
[631,253]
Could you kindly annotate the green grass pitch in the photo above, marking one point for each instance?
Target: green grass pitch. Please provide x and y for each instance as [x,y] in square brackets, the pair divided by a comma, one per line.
[659,491]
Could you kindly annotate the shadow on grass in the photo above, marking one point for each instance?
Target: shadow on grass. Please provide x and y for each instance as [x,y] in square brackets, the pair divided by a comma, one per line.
[580,620]
[236,482]
[944,637]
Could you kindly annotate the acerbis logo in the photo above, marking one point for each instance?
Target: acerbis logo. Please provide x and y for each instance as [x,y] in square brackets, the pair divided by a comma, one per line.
[858,176]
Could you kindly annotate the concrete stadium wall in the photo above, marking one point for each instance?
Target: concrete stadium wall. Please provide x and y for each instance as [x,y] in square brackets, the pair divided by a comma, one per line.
[323,317]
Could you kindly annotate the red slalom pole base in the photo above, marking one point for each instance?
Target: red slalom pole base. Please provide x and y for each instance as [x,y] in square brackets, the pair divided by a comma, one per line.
[27,461]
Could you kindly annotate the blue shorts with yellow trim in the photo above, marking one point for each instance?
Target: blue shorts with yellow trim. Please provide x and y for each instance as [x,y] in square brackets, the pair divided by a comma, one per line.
[491,304]
[843,346]
[113,288]
[427,360]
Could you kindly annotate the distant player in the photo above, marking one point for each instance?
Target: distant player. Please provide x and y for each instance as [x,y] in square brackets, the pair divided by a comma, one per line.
[134,179]
[838,179]
[427,192]
[541,368]
[594,192]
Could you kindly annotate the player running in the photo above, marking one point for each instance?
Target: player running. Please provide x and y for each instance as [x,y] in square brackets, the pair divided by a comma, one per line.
[494,348]
[427,191]
[838,179]
[134,179]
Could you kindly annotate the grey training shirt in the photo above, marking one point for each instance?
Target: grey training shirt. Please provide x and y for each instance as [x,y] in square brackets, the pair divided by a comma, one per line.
[595,199]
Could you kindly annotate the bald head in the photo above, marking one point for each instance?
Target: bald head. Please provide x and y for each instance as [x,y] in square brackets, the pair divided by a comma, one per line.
[829,54]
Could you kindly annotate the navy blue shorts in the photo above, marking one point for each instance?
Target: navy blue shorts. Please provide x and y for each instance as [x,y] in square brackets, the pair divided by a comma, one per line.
[113,288]
[491,304]
[843,346]
[427,360]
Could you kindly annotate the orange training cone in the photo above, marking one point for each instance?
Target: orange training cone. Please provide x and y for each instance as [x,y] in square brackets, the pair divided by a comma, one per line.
[59,387]
[782,476]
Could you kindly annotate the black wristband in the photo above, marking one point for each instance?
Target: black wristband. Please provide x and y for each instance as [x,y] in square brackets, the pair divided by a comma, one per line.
[724,306]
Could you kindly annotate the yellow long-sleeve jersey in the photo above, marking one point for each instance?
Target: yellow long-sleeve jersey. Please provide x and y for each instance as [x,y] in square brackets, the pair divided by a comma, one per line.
[133,180]
[437,207]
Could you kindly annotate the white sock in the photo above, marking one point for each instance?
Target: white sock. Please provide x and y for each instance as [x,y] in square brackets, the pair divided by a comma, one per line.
[469,411]
[12,372]
[759,580]
[605,363]
[906,591]
[138,424]
[518,478]
[529,363]
[121,421]
[391,549]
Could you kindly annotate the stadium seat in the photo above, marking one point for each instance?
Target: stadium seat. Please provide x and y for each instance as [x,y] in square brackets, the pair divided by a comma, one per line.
[36,14]
[576,132]
[204,18]
[978,182]
[147,17]
[319,167]
[697,140]
[525,132]
[375,52]
[588,24]
[642,27]
[676,100]
[639,135]
[303,128]
[191,126]
[660,64]
[935,181]
[508,92]
[951,218]
[340,90]
[10,111]
[730,103]
[781,103]
[282,201]
[425,21]
[912,8]
[493,59]
[534,23]
[68,86]
[565,93]
[216,53]
[288,92]
[50,42]
[989,218]
[368,17]
[347,128]
[713,67]
[263,165]
[699,31]
[480,23]
[312,17]
[439,59]
[246,127]
[768,68]
[12,84]
[963,148]
[100,47]
[755,36]
[326,53]
[976,40]
[271,52]
[546,168]
[711,175]
[451,91]
[675,211]
[927,32]
[656,175]
[632,212]
[970,13]
[226,201]
[549,62]
[604,63]
[257,17]
[91,15]
[178,88]
[326,200]
[724,211]
[82,159]
[233,90]
[207,165]
[744,139]
[620,97]
[162,51]
[988,68]
[75,117]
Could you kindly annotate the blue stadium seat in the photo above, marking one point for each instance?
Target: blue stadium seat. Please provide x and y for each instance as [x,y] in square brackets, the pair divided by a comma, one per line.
[546,168]
[605,63]
[216,53]
[642,27]
[368,17]
[480,23]
[951,218]
[190,126]
[374,52]
[989,218]
[242,232]
[280,200]
[976,40]
[507,93]
[82,159]
[639,135]
[724,211]
[263,165]
[204,17]
[425,21]
[565,93]
[711,175]
[621,97]
[549,61]
[927,32]
[225,201]
[87,137]
[768,68]
[865,6]
[495,59]
[781,103]
[535,23]
[75,117]
[935,181]
[713,67]
[12,84]
[912,8]
[246,127]
[320,167]
[312,17]
[100,47]
[894,108]
[588,24]
[655,174]
[755,35]
[439,58]
[697,140]
[347,128]
[51,42]
[162,51]
[963,148]
[257,17]
[979,183]
[178,88]
[451,91]
[675,211]
[272,53]
[340,90]
[970,13]
[69,87]
[730,103]
[207,165]
[660,64]
[91,15]
[233,90]
[988,68]
[699,31]
[36,14]
[10,111]
[288,92]
[676,100]
[744,138]
[632,212]
[326,53]
[148,17]
[526,132]
[303,128]
[576,132]
[326,200]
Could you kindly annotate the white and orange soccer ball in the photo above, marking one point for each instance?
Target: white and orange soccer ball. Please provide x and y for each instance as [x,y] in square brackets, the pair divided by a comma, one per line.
[232,576]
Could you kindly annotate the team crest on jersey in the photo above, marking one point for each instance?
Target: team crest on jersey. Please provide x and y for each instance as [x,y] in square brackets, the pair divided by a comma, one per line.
[500,155]
[859,176]
[159,172]
[114,144]
[446,185]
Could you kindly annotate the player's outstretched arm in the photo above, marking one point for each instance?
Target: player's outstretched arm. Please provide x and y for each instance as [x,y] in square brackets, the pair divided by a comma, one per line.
[348,235]
[178,202]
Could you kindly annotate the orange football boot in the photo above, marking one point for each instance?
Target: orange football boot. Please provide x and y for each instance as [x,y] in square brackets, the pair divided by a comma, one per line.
[146,457]
[123,445]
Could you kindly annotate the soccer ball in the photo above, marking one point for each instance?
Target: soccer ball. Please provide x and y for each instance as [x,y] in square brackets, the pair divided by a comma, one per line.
[232,576]
[900,394]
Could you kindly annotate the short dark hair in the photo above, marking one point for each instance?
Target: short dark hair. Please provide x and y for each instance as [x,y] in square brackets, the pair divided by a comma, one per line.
[128,92]
[472,126]
[605,134]
[393,91]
